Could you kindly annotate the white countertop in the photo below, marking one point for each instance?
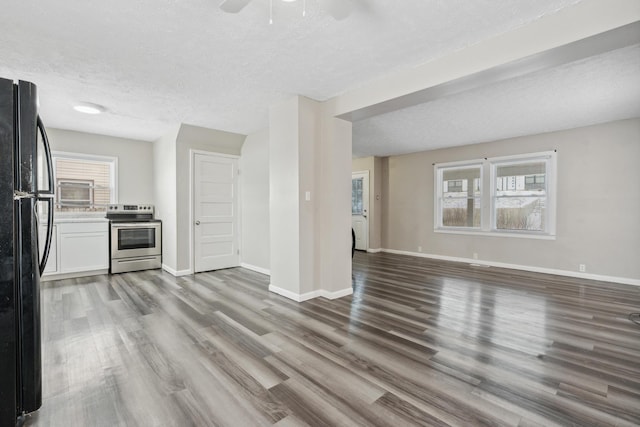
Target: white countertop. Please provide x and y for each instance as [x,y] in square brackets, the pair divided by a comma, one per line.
[58,219]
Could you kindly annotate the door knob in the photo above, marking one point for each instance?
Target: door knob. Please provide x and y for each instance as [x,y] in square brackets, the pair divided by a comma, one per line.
[197,222]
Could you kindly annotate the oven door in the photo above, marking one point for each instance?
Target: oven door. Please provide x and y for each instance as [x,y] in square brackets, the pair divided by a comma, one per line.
[135,239]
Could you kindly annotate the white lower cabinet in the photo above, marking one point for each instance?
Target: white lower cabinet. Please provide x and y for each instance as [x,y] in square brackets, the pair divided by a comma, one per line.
[79,247]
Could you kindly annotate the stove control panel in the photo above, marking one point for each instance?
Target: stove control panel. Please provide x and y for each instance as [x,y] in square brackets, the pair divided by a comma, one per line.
[129,209]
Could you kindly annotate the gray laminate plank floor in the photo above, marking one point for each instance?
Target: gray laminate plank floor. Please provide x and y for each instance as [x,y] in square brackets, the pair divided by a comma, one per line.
[420,342]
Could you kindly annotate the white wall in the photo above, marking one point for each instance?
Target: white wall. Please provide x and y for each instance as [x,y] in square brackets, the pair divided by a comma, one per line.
[597,206]
[254,202]
[135,165]
[334,207]
[310,238]
[284,196]
[164,160]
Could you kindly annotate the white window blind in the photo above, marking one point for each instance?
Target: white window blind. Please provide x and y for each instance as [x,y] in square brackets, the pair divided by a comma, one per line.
[83,183]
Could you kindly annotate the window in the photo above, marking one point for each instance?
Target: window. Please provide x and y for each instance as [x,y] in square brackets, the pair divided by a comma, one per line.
[356,196]
[521,199]
[459,196]
[84,183]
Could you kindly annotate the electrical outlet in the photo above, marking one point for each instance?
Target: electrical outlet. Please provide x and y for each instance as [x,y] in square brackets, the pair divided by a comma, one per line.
[475,255]
[582,268]
[419,248]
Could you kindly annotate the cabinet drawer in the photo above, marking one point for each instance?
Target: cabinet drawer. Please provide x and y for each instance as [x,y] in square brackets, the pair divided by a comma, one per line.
[83,227]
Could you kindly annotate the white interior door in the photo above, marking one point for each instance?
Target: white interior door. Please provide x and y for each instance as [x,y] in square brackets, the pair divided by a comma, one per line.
[215,212]
[360,208]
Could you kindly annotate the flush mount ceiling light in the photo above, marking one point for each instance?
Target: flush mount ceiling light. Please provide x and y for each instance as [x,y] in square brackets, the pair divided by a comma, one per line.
[89,108]
[338,9]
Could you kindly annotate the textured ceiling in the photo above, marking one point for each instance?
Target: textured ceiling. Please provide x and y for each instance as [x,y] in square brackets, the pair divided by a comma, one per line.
[155,63]
[598,89]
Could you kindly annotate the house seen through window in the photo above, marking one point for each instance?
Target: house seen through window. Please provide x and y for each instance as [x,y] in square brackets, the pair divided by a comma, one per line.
[521,195]
[519,199]
[460,197]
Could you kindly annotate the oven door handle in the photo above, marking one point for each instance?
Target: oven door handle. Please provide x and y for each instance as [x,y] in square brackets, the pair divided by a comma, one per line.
[136,225]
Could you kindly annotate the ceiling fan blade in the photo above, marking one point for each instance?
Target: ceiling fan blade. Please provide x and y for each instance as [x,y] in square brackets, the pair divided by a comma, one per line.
[233,6]
[339,9]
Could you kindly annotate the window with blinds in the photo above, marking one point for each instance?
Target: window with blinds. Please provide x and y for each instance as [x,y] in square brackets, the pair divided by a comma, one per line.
[83,183]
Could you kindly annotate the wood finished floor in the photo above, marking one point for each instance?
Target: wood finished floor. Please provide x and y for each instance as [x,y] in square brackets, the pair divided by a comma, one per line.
[420,342]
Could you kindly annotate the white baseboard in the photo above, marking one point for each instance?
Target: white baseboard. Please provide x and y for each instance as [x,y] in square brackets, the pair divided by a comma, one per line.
[374,251]
[176,273]
[288,294]
[567,273]
[310,295]
[47,277]
[337,294]
[255,268]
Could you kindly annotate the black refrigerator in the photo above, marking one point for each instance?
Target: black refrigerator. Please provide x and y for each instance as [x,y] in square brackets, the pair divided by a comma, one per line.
[26,204]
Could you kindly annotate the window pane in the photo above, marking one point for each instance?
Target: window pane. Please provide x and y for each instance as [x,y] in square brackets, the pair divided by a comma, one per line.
[461,202]
[461,212]
[356,196]
[522,213]
[521,196]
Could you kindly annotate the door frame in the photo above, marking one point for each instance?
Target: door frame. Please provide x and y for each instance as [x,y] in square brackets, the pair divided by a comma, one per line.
[366,203]
[192,199]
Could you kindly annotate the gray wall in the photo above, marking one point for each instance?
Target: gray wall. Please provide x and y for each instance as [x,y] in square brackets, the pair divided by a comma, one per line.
[195,138]
[254,193]
[135,176]
[597,208]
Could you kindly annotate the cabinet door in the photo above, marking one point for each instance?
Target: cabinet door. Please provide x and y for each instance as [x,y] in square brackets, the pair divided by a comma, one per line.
[84,251]
[52,261]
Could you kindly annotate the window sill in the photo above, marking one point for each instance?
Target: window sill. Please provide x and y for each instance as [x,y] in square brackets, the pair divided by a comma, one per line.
[469,232]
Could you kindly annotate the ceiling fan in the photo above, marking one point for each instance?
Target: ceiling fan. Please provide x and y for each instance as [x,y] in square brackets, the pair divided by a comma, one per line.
[338,9]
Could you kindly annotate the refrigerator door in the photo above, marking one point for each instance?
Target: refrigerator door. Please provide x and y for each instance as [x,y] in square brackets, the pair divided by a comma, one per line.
[28,290]
[26,149]
[8,344]
[27,263]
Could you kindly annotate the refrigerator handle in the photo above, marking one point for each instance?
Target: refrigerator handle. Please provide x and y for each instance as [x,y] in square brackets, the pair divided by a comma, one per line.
[47,242]
[47,152]
[47,196]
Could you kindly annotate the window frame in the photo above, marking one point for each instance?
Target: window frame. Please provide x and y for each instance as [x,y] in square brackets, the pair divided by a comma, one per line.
[550,182]
[113,172]
[439,170]
[488,179]
[361,179]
